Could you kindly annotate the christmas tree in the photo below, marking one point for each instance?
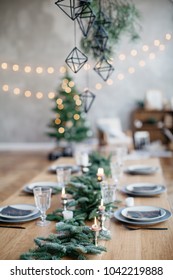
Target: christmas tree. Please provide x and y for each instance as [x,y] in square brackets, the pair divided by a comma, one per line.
[69,122]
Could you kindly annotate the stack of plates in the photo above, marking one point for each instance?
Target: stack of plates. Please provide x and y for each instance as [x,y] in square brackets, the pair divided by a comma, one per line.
[142,215]
[29,187]
[140,169]
[74,168]
[144,189]
[17,213]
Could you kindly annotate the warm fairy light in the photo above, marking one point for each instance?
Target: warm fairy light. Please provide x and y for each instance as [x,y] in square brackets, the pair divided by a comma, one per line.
[5,87]
[51,95]
[61,107]
[131,70]
[57,121]
[50,70]
[16,91]
[27,69]
[152,56]
[59,101]
[61,130]
[78,102]
[62,70]
[39,95]
[71,84]
[15,67]
[76,117]
[4,65]
[122,56]
[57,115]
[120,76]
[76,97]
[27,93]
[65,81]
[87,66]
[39,70]
[168,36]
[133,52]
[109,82]
[156,43]
[142,63]
[68,90]
[162,47]
[145,48]
[98,86]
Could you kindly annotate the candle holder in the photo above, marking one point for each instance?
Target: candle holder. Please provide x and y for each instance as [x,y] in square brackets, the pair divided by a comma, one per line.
[96,229]
[64,203]
[101,219]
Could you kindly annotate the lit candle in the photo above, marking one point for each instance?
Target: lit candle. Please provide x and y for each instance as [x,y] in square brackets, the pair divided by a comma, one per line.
[101,206]
[63,194]
[100,174]
[67,214]
[95,227]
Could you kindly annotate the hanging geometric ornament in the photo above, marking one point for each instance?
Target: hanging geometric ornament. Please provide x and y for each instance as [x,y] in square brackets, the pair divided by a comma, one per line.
[101,38]
[86,19]
[104,68]
[103,20]
[87,98]
[72,8]
[76,59]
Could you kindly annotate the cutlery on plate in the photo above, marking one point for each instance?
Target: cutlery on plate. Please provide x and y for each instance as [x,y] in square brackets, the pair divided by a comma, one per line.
[20,227]
[146,228]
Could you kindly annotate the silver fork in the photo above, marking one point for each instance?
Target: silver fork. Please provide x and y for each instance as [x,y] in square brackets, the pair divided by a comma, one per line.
[145,228]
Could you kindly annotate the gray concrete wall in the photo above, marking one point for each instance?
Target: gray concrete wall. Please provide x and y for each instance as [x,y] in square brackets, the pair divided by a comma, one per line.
[37,33]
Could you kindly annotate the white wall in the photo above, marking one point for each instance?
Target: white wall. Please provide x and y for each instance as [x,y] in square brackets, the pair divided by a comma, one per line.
[37,33]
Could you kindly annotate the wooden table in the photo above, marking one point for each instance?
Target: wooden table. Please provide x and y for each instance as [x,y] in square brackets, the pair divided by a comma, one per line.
[124,244]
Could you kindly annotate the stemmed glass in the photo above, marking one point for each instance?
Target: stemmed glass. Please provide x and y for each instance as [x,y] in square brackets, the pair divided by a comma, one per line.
[63,176]
[42,198]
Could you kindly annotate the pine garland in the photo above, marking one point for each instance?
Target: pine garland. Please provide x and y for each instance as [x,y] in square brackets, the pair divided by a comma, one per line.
[74,239]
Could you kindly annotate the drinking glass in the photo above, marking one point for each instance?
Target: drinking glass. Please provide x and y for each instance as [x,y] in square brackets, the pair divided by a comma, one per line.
[63,176]
[42,198]
[108,192]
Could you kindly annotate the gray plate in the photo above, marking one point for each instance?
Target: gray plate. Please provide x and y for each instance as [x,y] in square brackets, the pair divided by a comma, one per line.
[141,170]
[121,218]
[74,168]
[163,189]
[21,220]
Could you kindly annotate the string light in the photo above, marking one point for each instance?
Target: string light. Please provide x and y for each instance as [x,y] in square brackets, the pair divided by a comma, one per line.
[66,85]
[15,67]
[59,101]
[57,121]
[27,93]
[4,65]
[76,117]
[5,88]
[39,95]
[98,86]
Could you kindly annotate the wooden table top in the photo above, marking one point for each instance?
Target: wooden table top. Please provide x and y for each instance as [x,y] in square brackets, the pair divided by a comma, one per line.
[124,244]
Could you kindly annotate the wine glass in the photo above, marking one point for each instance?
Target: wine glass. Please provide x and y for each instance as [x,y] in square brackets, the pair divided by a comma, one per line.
[63,176]
[42,198]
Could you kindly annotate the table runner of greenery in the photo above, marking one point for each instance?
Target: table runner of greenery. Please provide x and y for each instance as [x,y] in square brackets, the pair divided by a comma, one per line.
[74,239]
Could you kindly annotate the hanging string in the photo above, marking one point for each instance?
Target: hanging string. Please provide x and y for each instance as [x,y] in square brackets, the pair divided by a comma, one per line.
[74,33]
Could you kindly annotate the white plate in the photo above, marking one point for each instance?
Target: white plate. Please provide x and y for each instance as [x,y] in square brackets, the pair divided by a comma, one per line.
[74,168]
[143,213]
[18,209]
[20,220]
[144,187]
[118,216]
[141,169]
[29,187]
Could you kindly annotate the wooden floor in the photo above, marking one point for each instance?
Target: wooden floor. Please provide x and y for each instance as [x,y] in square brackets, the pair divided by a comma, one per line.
[18,168]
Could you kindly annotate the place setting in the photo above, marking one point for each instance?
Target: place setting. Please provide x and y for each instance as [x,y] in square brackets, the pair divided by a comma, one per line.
[143,189]
[141,169]
[18,213]
[29,188]
[142,215]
